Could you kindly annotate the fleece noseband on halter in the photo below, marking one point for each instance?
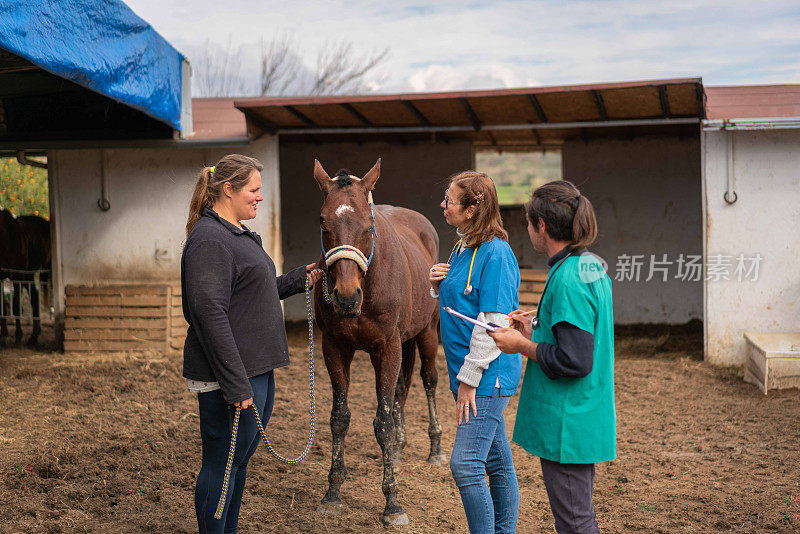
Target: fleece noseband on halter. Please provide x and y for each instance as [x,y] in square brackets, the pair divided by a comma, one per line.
[350,252]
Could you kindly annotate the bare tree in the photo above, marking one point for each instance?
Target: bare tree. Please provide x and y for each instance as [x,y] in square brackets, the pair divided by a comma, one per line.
[218,71]
[339,70]
[279,66]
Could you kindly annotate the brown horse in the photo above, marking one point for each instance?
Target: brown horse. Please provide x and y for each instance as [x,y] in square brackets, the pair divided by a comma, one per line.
[376,268]
[24,248]
[13,257]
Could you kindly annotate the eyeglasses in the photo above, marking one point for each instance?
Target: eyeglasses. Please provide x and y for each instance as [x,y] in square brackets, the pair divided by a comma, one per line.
[448,202]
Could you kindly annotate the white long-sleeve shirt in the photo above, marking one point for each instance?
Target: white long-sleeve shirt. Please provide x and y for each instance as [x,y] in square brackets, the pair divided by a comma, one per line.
[482,350]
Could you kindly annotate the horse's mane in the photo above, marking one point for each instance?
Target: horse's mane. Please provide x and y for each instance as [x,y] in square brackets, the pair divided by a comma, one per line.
[343,178]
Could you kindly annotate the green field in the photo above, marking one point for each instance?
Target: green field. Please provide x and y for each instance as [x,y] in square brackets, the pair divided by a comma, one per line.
[516,174]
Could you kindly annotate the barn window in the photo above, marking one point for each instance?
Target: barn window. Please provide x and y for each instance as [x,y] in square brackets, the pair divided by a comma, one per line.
[517,173]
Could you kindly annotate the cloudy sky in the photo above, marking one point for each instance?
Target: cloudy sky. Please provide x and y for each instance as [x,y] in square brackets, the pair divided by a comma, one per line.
[448,45]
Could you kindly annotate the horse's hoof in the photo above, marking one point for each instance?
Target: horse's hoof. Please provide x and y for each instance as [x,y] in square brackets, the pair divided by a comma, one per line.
[330,508]
[392,520]
[437,459]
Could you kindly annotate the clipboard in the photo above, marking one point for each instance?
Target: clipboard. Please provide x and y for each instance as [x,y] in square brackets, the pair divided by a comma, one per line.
[488,326]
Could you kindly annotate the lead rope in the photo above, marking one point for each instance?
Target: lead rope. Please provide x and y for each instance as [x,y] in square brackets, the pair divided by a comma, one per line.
[325,293]
[270,448]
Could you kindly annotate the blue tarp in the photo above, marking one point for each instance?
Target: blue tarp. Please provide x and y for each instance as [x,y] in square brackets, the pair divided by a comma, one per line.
[101,45]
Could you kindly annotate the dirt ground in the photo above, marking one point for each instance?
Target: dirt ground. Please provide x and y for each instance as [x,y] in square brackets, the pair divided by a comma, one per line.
[109,443]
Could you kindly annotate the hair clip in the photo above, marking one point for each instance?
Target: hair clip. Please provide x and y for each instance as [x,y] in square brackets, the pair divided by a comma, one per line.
[212,169]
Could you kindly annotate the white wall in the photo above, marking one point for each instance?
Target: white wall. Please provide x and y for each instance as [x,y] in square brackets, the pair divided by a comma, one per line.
[413,175]
[149,191]
[647,195]
[765,219]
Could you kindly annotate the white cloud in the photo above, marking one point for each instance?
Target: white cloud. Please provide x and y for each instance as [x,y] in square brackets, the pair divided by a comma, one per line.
[446,78]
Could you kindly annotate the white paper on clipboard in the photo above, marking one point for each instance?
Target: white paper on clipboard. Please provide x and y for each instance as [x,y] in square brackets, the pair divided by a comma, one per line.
[488,326]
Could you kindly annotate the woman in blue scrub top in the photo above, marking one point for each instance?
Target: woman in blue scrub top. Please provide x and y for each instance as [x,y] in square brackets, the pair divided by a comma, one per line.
[481,279]
[566,413]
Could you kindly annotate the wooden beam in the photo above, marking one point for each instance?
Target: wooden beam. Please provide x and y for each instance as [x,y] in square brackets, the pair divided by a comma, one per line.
[417,113]
[662,95]
[536,136]
[299,115]
[601,106]
[353,111]
[701,100]
[261,122]
[473,119]
[537,107]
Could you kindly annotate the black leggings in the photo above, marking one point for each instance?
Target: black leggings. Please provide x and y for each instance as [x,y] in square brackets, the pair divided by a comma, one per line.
[216,422]
[569,488]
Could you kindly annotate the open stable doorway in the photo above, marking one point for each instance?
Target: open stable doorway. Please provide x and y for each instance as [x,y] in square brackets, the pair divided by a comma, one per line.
[25,252]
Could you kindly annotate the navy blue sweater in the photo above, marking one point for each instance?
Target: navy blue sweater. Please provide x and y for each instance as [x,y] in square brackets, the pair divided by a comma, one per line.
[231,300]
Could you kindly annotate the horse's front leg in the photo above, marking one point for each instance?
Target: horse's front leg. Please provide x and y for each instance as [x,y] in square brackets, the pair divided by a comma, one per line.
[386,362]
[37,322]
[337,360]
[16,310]
[400,396]
[428,344]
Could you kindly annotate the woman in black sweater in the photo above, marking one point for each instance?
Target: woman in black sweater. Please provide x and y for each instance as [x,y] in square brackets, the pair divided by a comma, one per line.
[236,335]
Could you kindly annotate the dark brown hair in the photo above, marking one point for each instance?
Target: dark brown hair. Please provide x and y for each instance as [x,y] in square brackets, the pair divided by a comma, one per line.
[233,168]
[567,215]
[477,189]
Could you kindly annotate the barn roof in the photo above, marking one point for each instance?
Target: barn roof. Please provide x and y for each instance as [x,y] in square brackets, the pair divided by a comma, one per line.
[531,116]
[753,101]
[217,118]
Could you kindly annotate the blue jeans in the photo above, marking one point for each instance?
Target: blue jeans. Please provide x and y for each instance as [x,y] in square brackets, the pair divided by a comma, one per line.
[481,448]
[216,422]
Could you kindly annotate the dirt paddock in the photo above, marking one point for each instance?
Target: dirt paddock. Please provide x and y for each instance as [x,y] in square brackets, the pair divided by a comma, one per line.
[109,443]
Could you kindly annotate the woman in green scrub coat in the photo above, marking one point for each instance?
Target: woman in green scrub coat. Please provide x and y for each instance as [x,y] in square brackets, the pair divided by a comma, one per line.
[566,412]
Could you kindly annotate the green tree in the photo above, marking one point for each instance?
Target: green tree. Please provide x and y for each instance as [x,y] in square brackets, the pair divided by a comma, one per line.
[23,189]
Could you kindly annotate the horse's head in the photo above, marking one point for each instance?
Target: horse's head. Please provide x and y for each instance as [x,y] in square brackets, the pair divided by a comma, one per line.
[348,233]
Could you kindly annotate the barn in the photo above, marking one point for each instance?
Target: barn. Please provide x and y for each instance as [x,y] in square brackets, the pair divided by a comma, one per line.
[692,184]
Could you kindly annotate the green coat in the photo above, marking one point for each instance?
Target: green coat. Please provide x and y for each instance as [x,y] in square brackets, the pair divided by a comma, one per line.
[572,420]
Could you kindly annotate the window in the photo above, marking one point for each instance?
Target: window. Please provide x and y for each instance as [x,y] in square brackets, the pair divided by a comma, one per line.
[516,174]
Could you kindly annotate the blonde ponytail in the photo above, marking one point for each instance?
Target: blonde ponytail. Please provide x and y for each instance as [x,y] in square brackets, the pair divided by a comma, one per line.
[200,199]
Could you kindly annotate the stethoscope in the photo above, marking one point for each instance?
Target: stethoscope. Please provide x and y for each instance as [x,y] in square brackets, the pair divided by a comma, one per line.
[468,289]
[535,320]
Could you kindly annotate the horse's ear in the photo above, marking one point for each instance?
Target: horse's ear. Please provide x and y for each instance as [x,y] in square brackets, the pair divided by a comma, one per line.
[323,180]
[372,176]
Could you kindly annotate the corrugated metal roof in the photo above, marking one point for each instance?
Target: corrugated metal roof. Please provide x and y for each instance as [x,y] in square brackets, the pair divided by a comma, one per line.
[753,101]
[511,117]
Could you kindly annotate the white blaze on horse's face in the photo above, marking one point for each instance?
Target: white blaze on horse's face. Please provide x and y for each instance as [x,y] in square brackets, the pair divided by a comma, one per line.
[344,208]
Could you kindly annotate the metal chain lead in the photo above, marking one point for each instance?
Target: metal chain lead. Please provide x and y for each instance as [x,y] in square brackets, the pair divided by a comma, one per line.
[270,448]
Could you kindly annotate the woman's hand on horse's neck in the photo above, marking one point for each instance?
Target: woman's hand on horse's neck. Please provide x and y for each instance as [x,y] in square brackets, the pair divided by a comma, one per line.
[224,210]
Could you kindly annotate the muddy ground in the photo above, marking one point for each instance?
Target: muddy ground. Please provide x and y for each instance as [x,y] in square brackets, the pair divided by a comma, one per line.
[109,443]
